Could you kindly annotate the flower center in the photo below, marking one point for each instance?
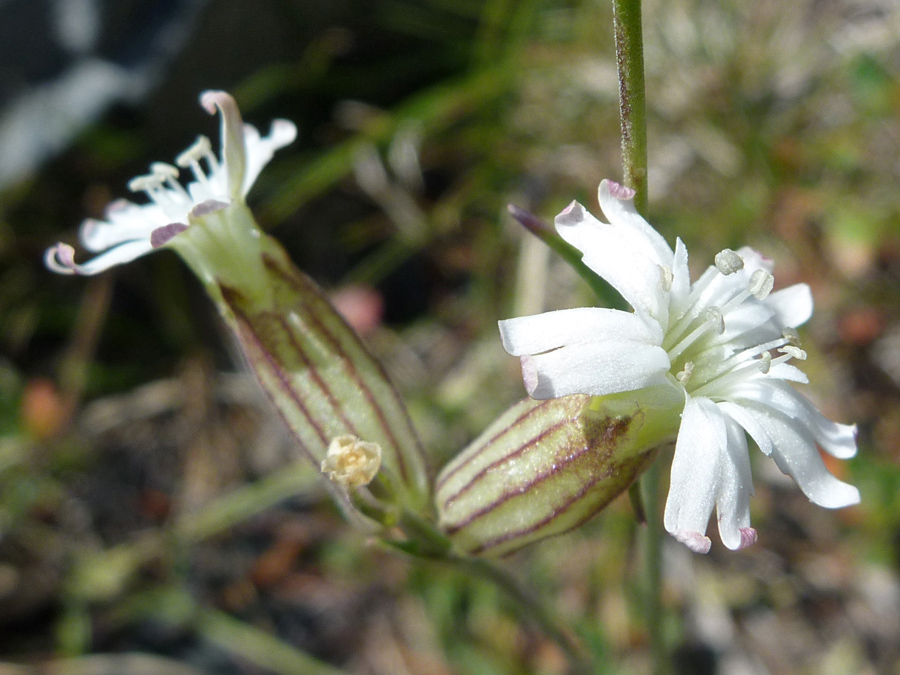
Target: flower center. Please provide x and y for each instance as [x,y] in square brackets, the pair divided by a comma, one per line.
[162,187]
[703,359]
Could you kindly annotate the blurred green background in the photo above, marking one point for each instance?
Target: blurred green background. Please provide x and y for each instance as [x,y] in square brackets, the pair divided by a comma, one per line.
[154,517]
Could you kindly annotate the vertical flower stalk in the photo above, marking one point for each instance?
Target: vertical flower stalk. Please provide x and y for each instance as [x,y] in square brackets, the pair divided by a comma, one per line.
[627,23]
[313,367]
[629,37]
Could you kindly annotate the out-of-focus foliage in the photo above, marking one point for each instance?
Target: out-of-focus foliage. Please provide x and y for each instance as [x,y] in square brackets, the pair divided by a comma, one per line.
[149,504]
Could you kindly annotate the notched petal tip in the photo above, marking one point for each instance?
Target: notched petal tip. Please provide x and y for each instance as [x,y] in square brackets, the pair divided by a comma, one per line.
[748,537]
[696,541]
[161,235]
[213,99]
[571,215]
[61,259]
[617,190]
[529,374]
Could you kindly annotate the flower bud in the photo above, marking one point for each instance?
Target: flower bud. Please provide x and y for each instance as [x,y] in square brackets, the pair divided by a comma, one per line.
[545,467]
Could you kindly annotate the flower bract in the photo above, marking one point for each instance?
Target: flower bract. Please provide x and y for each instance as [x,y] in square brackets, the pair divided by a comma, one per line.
[723,343]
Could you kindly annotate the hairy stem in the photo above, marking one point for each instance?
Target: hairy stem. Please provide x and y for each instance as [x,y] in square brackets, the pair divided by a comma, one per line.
[632,98]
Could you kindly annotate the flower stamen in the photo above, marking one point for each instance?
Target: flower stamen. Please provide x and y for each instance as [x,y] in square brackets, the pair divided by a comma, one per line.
[666,277]
[150,184]
[761,284]
[713,320]
[764,363]
[789,352]
[190,158]
[685,375]
[695,307]
[791,335]
[728,262]
[169,174]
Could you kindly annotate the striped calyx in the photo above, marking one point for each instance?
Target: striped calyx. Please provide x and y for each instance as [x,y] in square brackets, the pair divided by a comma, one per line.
[543,468]
[314,368]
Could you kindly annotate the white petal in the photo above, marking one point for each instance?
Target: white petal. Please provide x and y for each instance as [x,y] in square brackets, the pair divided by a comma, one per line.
[622,215]
[124,222]
[681,279]
[750,424]
[215,188]
[749,317]
[753,260]
[735,488]
[793,305]
[714,289]
[614,257]
[596,368]
[543,332]
[839,440]
[694,482]
[233,151]
[260,150]
[796,455]
[785,371]
[115,256]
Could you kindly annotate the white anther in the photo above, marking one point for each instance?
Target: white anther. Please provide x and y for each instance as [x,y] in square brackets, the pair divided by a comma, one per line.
[728,262]
[685,373]
[200,149]
[166,171]
[146,183]
[665,277]
[765,362]
[792,336]
[761,283]
[714,316]
[793,352]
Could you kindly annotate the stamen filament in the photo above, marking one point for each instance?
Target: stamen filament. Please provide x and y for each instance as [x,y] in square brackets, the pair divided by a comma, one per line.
[736,300]
[727,377]
[713,321]
[695,307]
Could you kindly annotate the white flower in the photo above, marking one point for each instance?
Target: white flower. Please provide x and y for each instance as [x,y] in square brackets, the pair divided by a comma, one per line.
[723,343]
[131,230]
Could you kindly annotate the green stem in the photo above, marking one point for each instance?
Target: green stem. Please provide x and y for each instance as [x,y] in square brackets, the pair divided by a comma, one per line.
[531,607]
[633,115]
[653,534]
[632,97]
[436,546]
